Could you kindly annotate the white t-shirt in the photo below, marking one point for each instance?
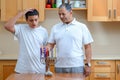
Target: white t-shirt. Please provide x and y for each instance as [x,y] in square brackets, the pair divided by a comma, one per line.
[69,39]
[30,41]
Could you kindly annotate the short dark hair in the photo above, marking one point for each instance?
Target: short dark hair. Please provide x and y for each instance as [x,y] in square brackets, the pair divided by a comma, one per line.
[31,13]
[67,6]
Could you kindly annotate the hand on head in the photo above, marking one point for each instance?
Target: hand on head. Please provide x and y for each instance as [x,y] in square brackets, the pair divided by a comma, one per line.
[26,10]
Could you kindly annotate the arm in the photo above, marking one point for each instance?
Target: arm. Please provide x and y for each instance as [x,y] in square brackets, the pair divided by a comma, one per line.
[11,22]
[88,54]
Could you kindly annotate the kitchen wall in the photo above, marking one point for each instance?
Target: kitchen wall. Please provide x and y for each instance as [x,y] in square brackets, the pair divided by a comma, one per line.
[106,35]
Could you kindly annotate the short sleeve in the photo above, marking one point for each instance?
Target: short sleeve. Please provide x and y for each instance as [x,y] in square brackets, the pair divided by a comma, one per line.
[87,37]
[45,37]
[17,29]
[51,37]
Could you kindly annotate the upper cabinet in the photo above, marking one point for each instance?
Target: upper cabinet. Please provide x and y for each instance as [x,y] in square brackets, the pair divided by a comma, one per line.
[37,4]
[11,8]
[103,10]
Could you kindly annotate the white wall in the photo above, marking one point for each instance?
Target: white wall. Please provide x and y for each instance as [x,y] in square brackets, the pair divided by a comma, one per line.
[106,34]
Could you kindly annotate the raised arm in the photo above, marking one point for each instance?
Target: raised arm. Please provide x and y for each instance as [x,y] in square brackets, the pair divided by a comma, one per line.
[11,22]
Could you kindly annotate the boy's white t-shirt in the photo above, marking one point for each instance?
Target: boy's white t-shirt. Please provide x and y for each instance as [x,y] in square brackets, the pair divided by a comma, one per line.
[30,41]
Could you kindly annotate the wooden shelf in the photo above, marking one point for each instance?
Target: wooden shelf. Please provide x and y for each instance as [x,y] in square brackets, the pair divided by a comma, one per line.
[73,8]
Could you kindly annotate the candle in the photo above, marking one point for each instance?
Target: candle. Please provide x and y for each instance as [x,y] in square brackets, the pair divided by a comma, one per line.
[44,52]
[54,53]
[41,53]
[47,52]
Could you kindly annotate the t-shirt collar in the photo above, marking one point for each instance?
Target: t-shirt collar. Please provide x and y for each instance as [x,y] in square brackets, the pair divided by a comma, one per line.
[73,21]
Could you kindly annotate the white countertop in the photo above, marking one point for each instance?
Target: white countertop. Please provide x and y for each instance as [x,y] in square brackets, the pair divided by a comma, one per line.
[106,57]
[94,57]
[8,56]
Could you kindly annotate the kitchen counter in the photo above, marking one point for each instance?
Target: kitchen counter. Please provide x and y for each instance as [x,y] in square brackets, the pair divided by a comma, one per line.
[55,76]
[94,57]
[8,56]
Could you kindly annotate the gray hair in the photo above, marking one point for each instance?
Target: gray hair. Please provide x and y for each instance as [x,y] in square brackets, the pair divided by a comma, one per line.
[67,6]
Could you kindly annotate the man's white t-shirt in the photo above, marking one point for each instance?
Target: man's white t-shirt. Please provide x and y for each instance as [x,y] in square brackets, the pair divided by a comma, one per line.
[30,41]
[69,39]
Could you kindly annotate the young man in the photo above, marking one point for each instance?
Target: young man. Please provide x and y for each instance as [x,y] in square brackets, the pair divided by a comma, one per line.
[70,36]
[31,37]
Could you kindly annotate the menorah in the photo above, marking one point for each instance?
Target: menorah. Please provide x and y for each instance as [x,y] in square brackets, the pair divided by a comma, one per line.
[48,58]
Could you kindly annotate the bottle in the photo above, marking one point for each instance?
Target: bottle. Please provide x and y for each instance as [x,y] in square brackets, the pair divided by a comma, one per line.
[58,3]
[54,4]
[76,4]
[48,5]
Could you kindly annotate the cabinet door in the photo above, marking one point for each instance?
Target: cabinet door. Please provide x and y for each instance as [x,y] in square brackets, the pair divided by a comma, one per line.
[117,70]
[116,10]
[102,76]
[37,4]
[99,10]
[10,8]
[6,68]
[103,66]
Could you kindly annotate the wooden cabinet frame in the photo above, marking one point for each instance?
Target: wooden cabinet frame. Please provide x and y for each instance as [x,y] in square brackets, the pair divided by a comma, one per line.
[11,8]
[6,68]
[103,10]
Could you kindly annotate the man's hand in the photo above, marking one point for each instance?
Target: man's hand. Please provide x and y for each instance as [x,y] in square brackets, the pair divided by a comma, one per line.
[87,71]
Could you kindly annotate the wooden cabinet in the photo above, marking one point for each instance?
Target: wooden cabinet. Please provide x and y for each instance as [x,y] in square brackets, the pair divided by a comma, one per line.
[37,4]
[6,68]
[11,8]
[103,70]
[118,70]
[103,10]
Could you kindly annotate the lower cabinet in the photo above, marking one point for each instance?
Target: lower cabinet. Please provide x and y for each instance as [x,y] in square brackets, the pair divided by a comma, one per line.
[6,68]
[102,76]
[103,70]
[118,70]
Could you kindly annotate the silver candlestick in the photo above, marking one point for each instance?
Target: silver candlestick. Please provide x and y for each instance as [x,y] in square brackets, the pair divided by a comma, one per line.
[48,58]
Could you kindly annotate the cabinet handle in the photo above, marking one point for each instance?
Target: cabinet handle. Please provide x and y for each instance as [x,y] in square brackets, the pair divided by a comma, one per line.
[118,68]
[109,14]
[101,62]
[102,75]
[114,13]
